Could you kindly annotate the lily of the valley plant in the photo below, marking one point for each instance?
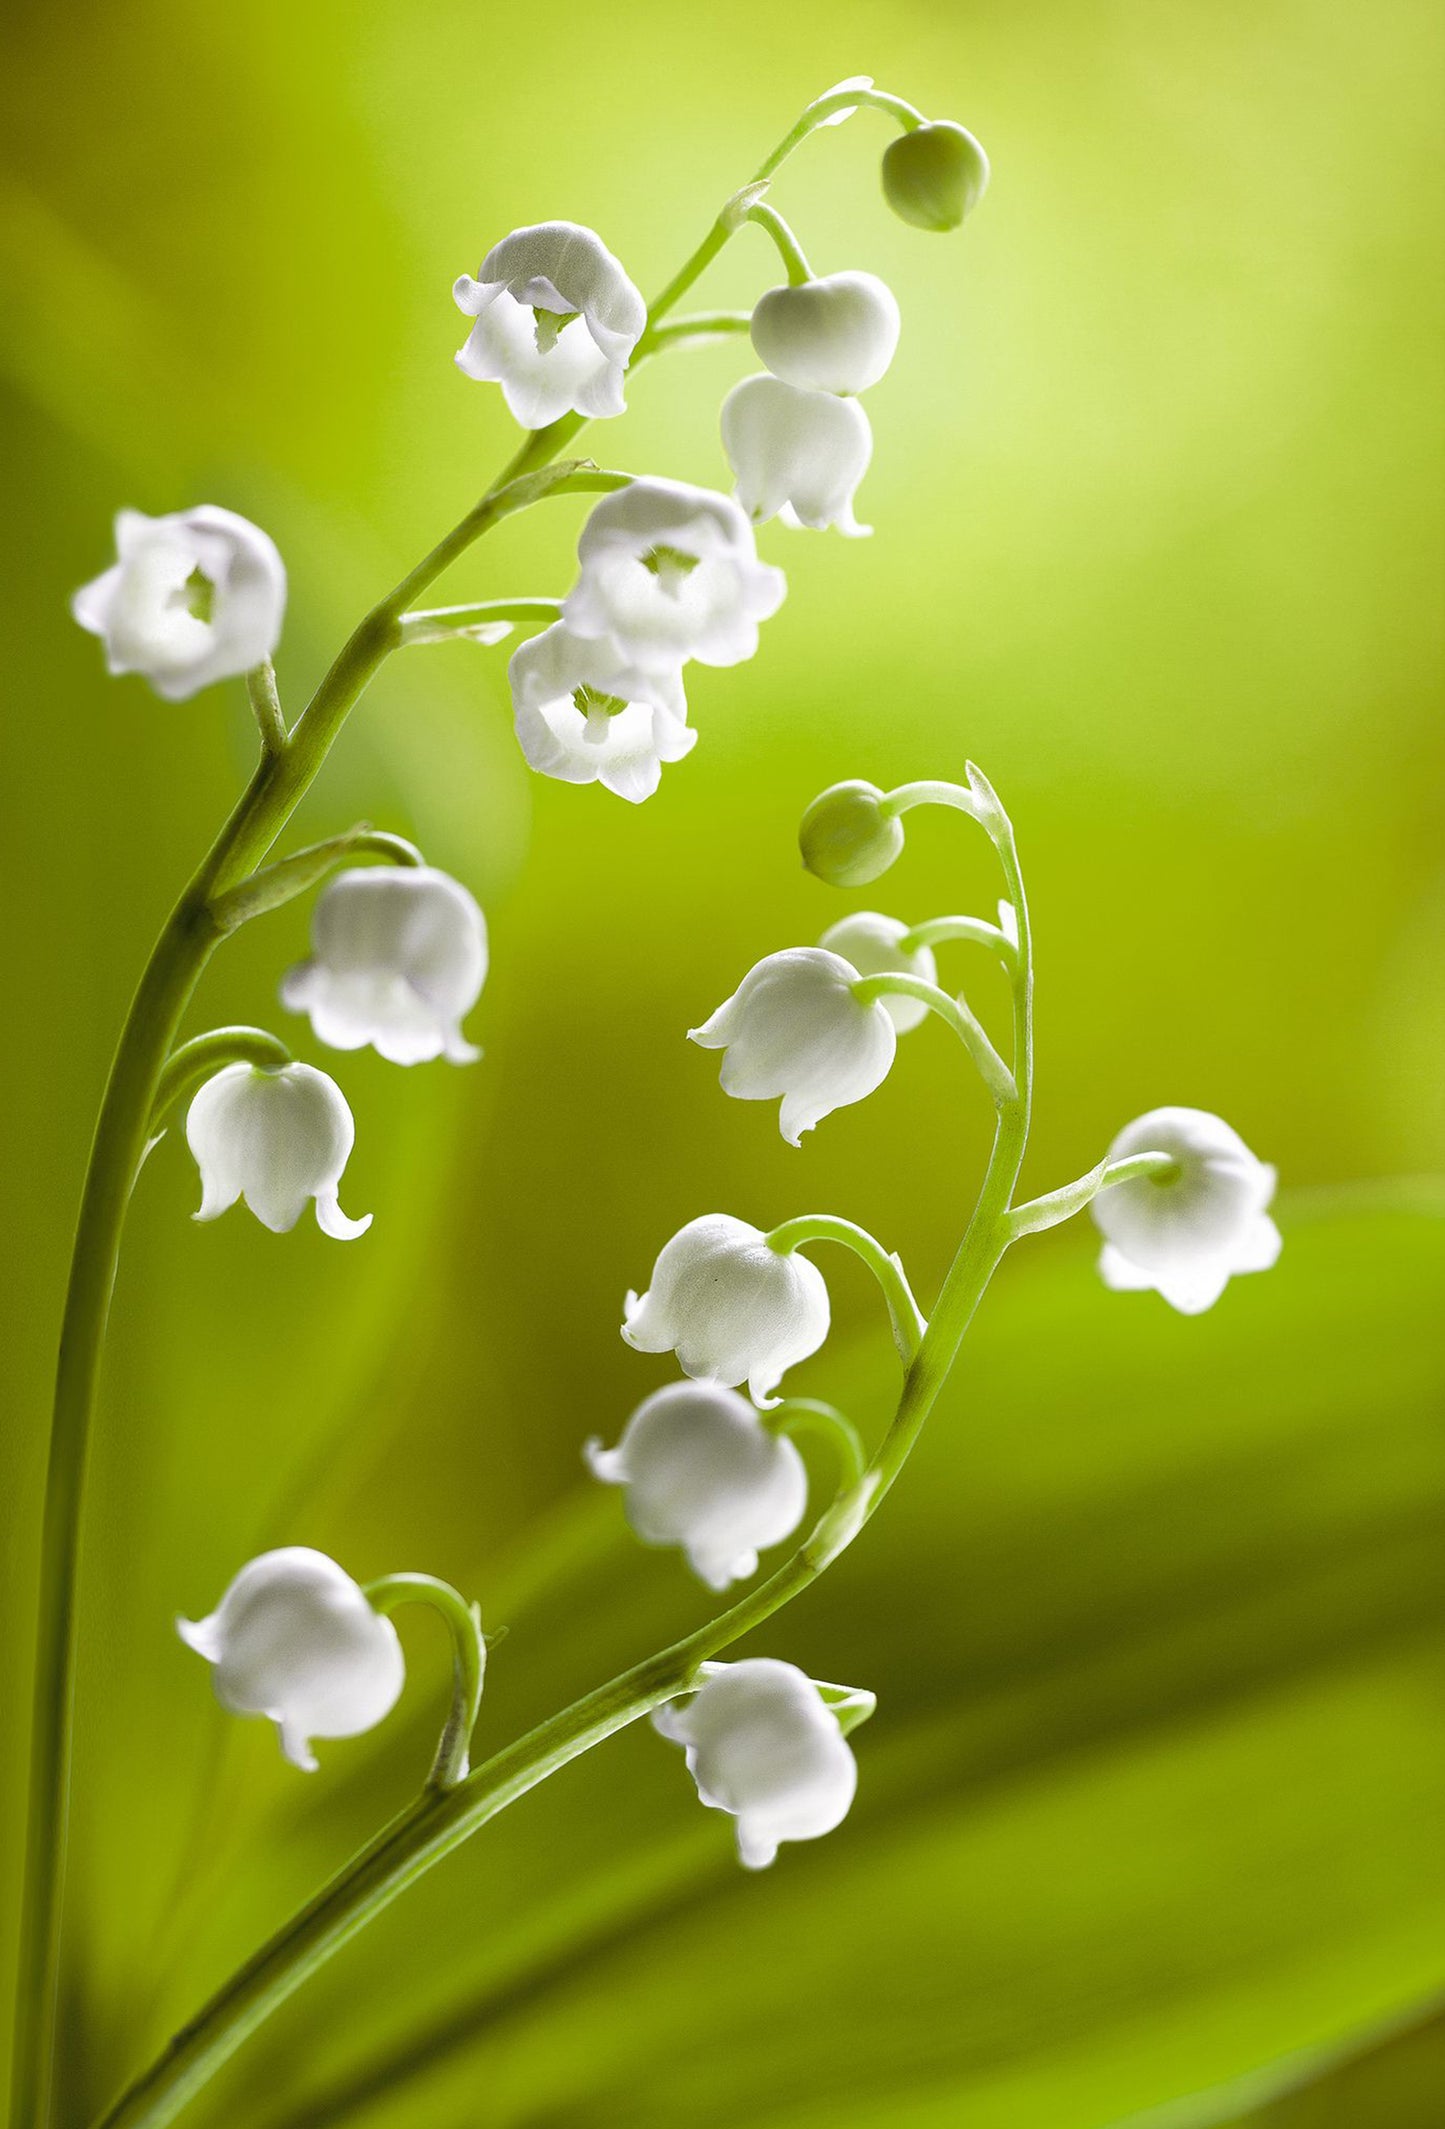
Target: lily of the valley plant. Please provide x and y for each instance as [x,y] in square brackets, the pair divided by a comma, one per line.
[711,1463]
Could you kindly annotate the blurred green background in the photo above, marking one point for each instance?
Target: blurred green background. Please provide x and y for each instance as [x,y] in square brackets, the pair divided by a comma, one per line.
[1149,1820]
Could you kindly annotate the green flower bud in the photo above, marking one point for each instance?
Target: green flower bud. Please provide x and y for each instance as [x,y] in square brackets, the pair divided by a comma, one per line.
[934,175]
[847,838]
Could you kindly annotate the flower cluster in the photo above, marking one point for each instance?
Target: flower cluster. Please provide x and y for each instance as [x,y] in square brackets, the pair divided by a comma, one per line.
[668,576]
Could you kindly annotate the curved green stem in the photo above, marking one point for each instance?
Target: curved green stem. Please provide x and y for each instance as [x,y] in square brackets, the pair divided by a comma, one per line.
[994,1073]
[1058,1205]
[282,882]
[280,780]
[205,1055]
[976,931]
[469,1664]
[790,251]
[422,1836]
[485,620]
[810,1416]
[442,1819]
[818,113]
[692,331]
[887,1268]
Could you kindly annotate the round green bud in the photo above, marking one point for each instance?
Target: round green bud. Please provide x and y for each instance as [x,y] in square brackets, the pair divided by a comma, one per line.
[847,838]
[934,175]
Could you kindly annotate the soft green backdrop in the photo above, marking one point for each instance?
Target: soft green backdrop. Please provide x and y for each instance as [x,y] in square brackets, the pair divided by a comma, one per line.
[1154,1794]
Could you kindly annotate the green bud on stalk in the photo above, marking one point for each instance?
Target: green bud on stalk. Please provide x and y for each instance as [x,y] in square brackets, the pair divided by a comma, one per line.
[848,836]
[934,175]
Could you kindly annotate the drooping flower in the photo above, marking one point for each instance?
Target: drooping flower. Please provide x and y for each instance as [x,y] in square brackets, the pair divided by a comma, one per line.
[556,322]
[703,1472]
[1187,1231]
[763,1744]
[585,715]
[796,455]
[295,1639]
[192,598]
[276,1139]
[670,572]
[874,946]
[837,333]
[794,1028]
[732,1309]
[399,956]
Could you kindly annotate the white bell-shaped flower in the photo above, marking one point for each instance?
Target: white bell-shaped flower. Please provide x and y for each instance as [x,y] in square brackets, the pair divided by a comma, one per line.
[1186,1232]
[837,333]
[794,1028]
[763,1744]
[703,1472]
[586,715]
[796,455]
[670,572]
[399,956]
[275,1139]
[557,320]
[873,944]
[194,597]
[732,1309]
[295,1639]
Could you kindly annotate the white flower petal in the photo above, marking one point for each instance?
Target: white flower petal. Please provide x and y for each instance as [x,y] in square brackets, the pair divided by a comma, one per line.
[275,1138]
[552,271]
[836,333]
[799,454]
[1186,1233]
[195,597]
[295,1639]
[702,1472]
[763,1745]
[399,958]
[872,943]
[731,1308]
[670,572]
[794,1028]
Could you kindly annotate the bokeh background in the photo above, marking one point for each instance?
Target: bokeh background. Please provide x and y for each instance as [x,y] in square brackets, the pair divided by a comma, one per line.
[1149,1822]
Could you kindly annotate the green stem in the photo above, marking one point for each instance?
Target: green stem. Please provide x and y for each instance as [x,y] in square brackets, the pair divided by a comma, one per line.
[810,1416]
[1059,1205]
[204,1055]
[469,1664]
[817,114]
[903,1311]
[941,931]
[994,1073]
[439,1823]
[274,885]
[691,331]
[790,251]
[266,707]
[495,617]
[279,782]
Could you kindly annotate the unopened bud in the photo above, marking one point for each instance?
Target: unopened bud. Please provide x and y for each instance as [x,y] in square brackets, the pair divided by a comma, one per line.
[847,838]
[934,175]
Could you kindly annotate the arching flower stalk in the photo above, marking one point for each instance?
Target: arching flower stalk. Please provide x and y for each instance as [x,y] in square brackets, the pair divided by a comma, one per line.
[668,573]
